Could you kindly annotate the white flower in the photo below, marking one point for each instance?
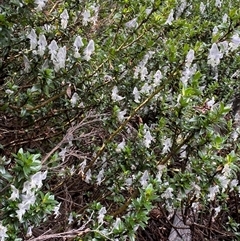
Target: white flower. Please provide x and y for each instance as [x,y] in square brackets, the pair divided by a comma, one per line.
[3,232]
[170,17]
[88,176]
[120,146]
[108,78]
[86,17]
[136,94]
[136,72]
[56,210]
[15,193]
[183,153]
[33,39]
[148,11]
[214,55]
[235,135]
[20,212]
[27,187]
[53,47]
[212,192]
[128,182]
[160,172]
[26,62]
[146,88]
[167,144]
[132,23]
[41,4]
[141,68]
[237,119]
[101,215]
[48,27]
[188,73]
[181,8]
[37,178]
[148,138]
[224,181]
[197,189]
[225,18]
[100,176]
[157,77]
[189,58]
[70,218]
[74,100]
[218,4]
[210,103]
[60,58]
[77,44]
[233,184]
[9,92]
[235,42]
[117,224]
[94,18]
[168,193]
[115,96]
[195,206]
[35,182]
[217,211]
[27,201]
[215,30]
[89,50]
[223,46]
[64,18]
[29,232]
[143,72]
[121,115]
[144,179]
[42,43]
[202,7]
[226,170]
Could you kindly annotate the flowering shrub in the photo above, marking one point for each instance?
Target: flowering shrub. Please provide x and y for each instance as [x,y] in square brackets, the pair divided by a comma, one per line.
[23,204]
[130,105]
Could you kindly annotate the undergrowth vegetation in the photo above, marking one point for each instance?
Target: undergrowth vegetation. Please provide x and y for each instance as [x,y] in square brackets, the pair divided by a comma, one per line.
[117,115]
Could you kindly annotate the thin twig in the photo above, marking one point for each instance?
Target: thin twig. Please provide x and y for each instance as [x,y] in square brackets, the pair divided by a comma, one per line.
[68,135]
[69,234]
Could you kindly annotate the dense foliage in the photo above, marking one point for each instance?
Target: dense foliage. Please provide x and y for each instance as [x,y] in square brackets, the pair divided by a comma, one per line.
[114,115]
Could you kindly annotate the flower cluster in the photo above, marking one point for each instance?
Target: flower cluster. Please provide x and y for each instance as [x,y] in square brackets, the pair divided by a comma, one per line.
[3,232]
[27,197]
[188,71]
[214,55]
[40,4]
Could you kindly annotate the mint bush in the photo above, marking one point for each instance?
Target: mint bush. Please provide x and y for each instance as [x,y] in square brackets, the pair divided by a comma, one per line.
[127,106]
